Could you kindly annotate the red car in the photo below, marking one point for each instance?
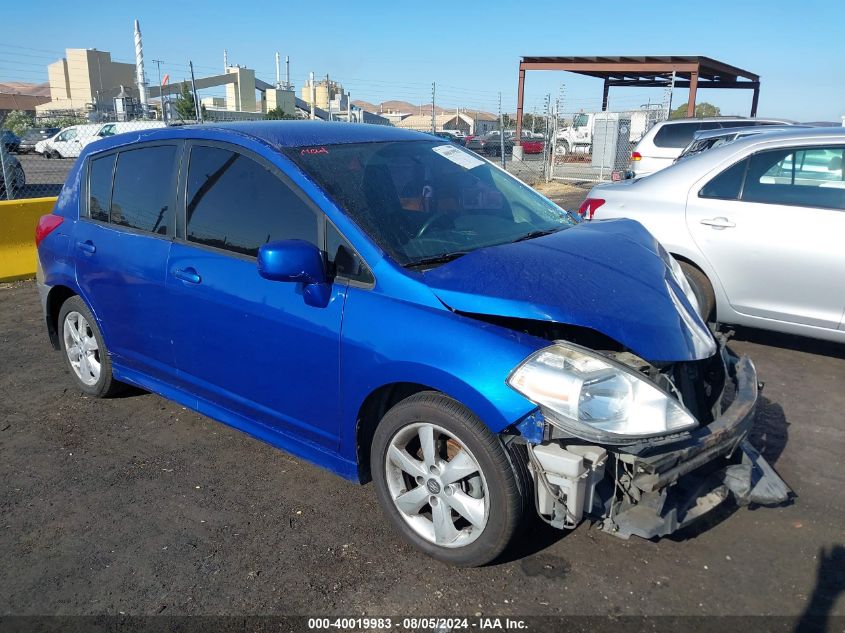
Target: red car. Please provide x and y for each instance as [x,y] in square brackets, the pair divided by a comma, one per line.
[532,145]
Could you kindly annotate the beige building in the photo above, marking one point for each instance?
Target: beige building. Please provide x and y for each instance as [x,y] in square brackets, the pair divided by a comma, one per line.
[85,78]
[467,122]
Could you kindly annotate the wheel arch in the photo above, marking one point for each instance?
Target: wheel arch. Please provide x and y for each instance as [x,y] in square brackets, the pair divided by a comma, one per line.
[55,299]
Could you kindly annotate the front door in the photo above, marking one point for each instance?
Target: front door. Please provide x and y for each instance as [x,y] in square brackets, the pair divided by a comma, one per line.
[771,227]
[243,342]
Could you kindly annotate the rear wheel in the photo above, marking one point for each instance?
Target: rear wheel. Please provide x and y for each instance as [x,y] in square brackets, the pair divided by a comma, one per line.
[703,291]
[445,482]
[84,350]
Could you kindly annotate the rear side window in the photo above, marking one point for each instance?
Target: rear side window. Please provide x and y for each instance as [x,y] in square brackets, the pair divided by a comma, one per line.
[676,135]
[99,187]
[237,204]
[807,177]
[143,188]
[728,184]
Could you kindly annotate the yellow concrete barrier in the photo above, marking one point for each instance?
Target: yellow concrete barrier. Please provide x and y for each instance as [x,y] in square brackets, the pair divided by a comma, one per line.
[18,219]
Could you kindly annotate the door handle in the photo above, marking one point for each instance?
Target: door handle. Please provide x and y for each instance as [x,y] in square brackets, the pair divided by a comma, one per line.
[189,275]
[719,223]
[87,247]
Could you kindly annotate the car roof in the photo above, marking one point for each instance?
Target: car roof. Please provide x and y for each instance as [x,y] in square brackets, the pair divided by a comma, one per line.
[280,134]
[718,119]
[747,129]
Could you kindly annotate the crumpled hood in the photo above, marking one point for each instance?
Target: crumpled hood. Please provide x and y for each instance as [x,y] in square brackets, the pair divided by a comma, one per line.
[605,275]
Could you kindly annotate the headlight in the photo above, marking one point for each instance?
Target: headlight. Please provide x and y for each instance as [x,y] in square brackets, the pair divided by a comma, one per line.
[595,398]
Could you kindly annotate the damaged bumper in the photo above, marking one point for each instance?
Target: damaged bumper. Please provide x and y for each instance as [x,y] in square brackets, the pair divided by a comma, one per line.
[654,490]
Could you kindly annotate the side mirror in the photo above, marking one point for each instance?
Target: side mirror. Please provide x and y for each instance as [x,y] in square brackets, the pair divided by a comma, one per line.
[291,260]
[297,261]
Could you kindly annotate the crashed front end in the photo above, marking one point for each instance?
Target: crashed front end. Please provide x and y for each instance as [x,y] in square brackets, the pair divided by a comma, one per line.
[643,449]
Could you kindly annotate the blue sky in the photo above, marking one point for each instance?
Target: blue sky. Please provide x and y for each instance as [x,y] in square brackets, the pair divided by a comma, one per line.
[394,50]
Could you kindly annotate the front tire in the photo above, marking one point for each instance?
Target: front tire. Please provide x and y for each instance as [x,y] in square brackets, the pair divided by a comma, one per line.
[445,482]
[84,350]
[703,291]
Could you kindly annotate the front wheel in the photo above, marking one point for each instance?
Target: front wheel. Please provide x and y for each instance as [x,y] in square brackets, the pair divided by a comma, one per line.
[445,482]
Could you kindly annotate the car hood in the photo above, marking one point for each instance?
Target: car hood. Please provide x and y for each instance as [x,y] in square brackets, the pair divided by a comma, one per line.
[607,276]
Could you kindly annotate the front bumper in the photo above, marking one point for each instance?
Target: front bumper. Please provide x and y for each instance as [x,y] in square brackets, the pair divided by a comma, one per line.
[669,488]
[656,487]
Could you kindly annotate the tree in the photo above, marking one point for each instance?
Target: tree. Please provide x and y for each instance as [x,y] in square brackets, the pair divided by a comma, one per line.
[18,122]
[278,114]
[701,110]
[185,105]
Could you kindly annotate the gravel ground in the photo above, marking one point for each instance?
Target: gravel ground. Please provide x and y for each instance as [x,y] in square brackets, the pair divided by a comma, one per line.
[137,505]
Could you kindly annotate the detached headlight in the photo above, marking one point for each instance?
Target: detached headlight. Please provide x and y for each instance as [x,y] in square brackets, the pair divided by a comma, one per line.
[595,398]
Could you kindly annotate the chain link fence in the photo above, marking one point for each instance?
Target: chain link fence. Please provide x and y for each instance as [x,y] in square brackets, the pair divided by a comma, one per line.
[597,146]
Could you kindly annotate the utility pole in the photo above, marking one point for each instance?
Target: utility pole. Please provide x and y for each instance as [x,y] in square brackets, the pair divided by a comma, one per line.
[501,131]
[161,92]
[313,93]
[197,106]
[433,119]
[667,97]
[349,107]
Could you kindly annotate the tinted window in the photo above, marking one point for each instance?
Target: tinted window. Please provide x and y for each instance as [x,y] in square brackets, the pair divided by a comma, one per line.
[676,135]
[99,187]
[143,184]
[342,256]
[237,204]
[811,177]
[727,185]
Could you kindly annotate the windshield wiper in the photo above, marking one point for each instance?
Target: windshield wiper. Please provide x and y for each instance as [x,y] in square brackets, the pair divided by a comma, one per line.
[533,234]
[436,259]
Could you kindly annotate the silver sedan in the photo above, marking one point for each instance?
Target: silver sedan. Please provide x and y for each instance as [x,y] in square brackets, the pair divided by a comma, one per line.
[758,226]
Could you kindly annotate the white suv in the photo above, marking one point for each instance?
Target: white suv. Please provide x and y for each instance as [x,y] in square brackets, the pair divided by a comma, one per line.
[665,141]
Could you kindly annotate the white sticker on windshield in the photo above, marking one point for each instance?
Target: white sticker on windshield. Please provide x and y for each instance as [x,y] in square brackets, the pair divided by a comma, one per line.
[457,156]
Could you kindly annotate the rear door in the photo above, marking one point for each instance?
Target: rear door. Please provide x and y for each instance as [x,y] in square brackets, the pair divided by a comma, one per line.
[245,343]
[771,227]
[120,247]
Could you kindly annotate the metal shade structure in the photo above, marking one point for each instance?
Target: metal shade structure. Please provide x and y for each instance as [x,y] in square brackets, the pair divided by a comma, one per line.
[690,71]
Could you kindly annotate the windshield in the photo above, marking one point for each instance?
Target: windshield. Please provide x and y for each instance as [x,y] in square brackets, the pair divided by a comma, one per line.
[422,200]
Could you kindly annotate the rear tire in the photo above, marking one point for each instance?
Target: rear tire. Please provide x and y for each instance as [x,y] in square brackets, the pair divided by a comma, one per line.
[703,291]
[462,499]
[85,350]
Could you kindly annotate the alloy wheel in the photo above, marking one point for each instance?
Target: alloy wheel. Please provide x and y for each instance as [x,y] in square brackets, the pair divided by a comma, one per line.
[437,485]
[81,348]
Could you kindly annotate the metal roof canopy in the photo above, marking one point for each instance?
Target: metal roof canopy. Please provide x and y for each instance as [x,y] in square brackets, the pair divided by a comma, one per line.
[691,71]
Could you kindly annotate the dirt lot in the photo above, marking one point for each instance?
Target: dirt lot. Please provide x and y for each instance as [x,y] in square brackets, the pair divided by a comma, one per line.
[137,505]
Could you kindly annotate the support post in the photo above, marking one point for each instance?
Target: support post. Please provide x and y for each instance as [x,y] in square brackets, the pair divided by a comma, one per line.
[754,100]
[519,103]
[693,87]
[604,96]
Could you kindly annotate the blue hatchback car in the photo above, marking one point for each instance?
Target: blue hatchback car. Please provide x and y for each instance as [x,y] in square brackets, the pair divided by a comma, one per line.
[395,308]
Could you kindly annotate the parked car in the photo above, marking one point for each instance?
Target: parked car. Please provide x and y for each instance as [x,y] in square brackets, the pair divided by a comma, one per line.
[9,140]
[757,226]
[121,127]
[665,141]
[374,301]
[708,139]
[10,166]
[490,144]
[33,136]
[69,142]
